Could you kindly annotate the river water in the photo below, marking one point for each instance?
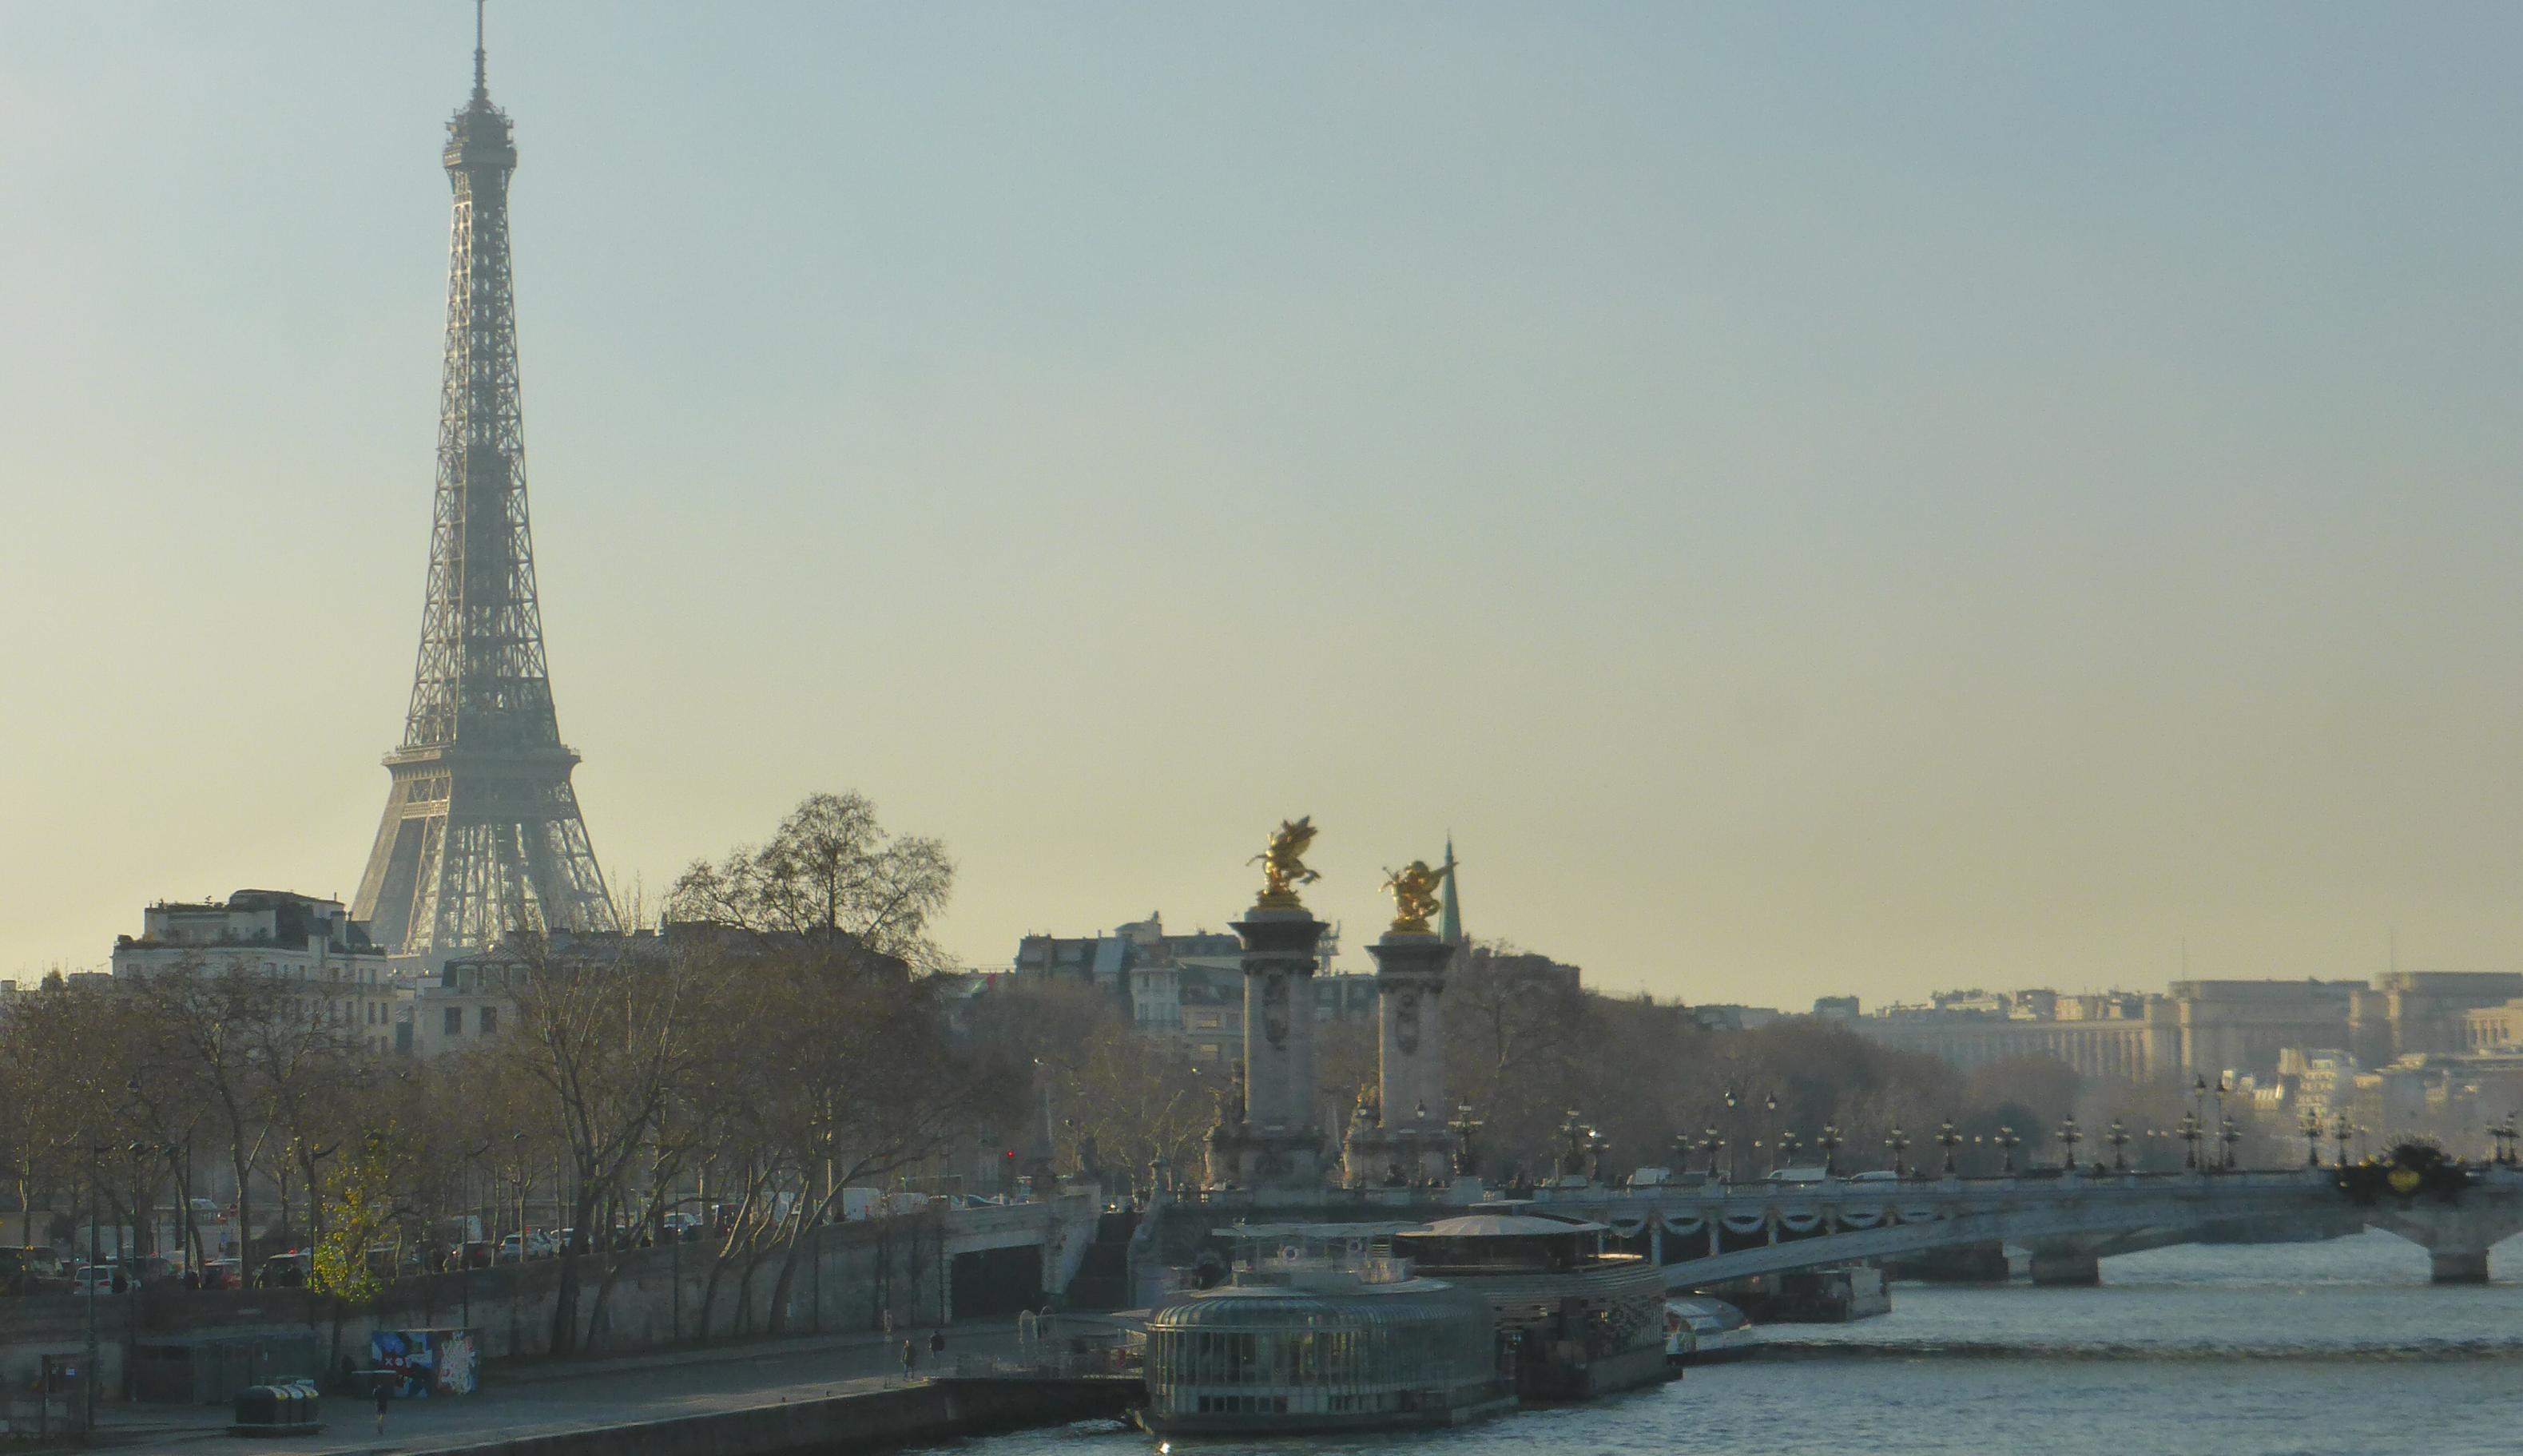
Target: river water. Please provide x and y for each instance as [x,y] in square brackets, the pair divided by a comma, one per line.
[2235,1351]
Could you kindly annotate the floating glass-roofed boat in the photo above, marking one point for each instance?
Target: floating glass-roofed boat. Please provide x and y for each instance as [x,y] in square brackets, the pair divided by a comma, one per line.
[1318,1332]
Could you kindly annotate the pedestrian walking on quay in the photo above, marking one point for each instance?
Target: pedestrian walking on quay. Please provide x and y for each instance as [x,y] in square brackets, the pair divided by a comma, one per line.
[936,1342]
[385,1398]
[910,1356]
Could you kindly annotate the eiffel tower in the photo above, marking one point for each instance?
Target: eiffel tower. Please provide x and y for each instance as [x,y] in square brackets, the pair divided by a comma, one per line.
[482,834]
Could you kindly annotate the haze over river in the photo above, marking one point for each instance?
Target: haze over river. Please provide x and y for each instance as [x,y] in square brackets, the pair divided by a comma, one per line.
[2237,1351]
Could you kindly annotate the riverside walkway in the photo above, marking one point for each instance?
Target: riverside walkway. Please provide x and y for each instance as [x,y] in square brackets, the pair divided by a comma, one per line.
[651,1401]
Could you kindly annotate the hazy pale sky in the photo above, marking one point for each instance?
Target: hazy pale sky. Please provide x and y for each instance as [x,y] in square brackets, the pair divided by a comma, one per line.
[1838,499]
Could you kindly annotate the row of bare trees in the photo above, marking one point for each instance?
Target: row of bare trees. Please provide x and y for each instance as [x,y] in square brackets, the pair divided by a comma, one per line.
[116,1094]
[782,1042]
[1533,1054]
[1536,1057]
[778,1040]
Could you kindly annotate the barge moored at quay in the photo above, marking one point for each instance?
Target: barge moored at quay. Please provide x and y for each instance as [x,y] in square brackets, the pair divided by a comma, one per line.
[1334,1327]
[1316,1333]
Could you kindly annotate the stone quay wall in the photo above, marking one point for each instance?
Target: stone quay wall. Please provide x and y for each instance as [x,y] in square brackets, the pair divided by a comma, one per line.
[848,1276]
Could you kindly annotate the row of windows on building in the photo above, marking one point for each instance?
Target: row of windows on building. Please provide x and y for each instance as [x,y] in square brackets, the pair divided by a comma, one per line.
[378,1013]
[366,975]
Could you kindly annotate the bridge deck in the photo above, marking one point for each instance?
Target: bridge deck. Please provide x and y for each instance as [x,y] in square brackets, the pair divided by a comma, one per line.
[1711,1231]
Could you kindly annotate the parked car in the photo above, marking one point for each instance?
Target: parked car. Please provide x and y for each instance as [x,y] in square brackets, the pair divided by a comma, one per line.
[35,1270]
[223,1274]
[392,1261]
[534,1244]
[96,1279]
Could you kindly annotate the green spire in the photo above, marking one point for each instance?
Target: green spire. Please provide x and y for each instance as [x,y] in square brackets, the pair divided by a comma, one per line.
[1449,920]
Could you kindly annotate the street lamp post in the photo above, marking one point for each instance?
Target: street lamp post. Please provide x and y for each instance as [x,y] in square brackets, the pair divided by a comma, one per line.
[518,1142]
[1709,1142]
[1951,1141]
[185,1235]
[1899,1142]
[2070,1135]
[1829,1142]
[95,1255]
[2230,1135]
[1789,1142]
[2007,1140]
[2340,1133]
[2117,1136]
[1463,1125]
[2190,1135]
[1735,1160]
[2311,1139]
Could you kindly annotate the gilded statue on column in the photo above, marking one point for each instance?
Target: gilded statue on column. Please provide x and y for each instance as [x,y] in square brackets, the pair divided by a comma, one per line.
[1283,865]
[1413,887]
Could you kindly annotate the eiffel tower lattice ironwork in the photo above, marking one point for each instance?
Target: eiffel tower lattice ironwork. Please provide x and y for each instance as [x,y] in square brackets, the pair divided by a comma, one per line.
[482,834]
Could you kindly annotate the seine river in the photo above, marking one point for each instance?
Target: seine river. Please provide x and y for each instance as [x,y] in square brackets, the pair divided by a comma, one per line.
[2241,1351]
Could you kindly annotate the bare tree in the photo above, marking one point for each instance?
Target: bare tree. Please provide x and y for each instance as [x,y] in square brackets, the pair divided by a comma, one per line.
[603,1038]
[1140,1104]
[830,881]
[68,1052]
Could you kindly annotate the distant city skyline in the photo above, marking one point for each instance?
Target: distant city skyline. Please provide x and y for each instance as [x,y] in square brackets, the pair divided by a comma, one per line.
[1816,506]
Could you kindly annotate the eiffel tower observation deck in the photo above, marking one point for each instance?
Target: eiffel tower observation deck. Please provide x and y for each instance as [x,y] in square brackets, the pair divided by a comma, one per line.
[481,836]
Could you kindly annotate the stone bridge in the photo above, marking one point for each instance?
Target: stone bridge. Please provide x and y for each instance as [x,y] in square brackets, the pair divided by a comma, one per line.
[1707,1234]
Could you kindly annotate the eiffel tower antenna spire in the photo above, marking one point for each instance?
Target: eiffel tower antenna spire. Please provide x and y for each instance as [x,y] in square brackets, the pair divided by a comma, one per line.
[481,836]
[481,58]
